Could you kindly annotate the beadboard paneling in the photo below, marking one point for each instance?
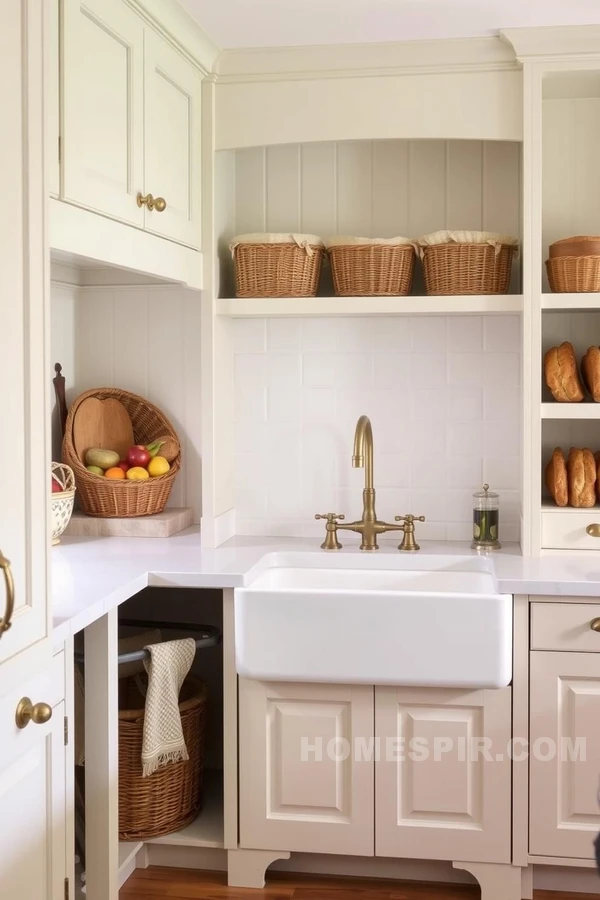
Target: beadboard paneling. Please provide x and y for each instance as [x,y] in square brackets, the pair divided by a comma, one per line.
[444,398]
[145,339]
[571,174]
[379,188]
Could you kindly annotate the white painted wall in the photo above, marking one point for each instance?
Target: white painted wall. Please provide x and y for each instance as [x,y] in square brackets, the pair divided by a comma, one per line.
[571,174]
[376,189]
[142,338]
[443,396]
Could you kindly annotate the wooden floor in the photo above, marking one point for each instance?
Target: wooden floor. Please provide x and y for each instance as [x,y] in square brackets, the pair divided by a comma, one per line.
[182,884]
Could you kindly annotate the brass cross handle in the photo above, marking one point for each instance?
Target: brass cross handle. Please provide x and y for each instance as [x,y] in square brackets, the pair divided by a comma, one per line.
[10,594]
[38,713]
[331,542]
[408,541]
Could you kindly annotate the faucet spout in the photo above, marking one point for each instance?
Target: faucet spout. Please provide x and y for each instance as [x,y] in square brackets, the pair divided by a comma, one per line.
[362,456]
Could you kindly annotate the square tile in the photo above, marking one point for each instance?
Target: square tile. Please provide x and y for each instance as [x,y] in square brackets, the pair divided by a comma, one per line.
[465,369]
[464,404]
[501,369]
[428,333]
[428,403]
[425,438]
[284,334]
[318,404]
[318,334]
[353,370]
[465,472]
[465,334]
[503,333]
[284,370]
[389,335]
[284,404]
[502,404]
[464,438]
[318,370]
[426,470]
[250,370]
[428,370]
[391,370]
[500,438]
[502,472]
[249,335]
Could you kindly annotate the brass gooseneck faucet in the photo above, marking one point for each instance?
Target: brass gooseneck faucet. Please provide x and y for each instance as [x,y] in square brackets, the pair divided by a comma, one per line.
[369,527]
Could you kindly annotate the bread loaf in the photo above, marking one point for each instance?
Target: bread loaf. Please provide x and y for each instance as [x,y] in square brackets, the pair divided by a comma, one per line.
[590,369]
[581,476]
[560,372]
[556,478]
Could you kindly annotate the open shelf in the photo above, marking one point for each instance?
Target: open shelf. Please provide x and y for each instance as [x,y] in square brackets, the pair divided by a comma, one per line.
[207,829]
[263,307]
[555,410]
[569,302]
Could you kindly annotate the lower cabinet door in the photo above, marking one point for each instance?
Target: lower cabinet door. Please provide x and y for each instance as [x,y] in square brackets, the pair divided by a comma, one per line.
[33,827]
[306,767]
[443,776]
[564,757]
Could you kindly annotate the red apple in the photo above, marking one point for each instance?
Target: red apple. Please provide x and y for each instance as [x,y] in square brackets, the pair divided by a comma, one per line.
[57,487]
[124,465]
[138,456]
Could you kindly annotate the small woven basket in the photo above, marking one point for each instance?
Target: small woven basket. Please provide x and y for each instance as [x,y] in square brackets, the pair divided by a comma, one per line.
[106,498]
[372,269]
[467,262]
[573,274]
[170,798]
[277,265]
[61,502]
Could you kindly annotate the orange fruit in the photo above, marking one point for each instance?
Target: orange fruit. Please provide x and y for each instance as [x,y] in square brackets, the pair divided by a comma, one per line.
[115,472]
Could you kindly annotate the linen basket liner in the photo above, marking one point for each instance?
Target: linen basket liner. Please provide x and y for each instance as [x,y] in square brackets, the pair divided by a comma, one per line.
[302,240]
[347,241]
[497,241]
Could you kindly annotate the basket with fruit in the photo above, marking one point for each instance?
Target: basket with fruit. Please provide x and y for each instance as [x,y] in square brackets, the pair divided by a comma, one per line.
[62,499]
[139,484]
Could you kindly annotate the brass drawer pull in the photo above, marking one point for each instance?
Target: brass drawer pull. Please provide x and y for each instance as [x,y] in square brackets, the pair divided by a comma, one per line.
[595,624]
[10,594]
[593,530]
[38,713]
[157,203]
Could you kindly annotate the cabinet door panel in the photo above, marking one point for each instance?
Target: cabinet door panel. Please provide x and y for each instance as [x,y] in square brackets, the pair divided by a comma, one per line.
[103,70]
[564,754]
[303,786]
[172,140]
[439,794]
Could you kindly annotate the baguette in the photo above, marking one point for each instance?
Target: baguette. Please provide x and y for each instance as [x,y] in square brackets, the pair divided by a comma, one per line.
[581,475]
[560,372]
[556,478]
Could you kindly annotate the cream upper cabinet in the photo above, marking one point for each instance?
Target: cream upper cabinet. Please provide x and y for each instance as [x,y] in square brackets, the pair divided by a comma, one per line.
[103,107]
[172,121]
[443,777]
[306,780]
[564,753]
[24,373]
[130,121]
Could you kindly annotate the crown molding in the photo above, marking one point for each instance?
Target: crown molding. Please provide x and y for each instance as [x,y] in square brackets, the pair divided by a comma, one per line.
[171,19]
[359,60]
[553,43]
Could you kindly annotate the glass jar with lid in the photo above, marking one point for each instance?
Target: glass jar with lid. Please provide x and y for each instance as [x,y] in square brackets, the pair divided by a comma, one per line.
[486,518]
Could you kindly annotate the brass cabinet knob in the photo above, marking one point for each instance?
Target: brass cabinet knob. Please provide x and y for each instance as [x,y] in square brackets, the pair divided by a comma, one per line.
[38,713]
[160,204]
[593,530]
[595,624]
[145,200]
[10,594]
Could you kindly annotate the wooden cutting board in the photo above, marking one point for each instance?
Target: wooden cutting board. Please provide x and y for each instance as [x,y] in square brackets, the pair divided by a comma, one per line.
[104,424]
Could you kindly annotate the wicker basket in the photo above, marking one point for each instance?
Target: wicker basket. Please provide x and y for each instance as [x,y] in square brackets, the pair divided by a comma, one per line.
[170,798]
[455,265]
[277,265]
[61,502]
[573,274]
[107,498]
[371,268]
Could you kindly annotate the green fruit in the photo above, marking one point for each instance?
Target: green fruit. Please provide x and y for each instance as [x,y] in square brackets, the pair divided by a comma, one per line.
[95,470]
[104,459]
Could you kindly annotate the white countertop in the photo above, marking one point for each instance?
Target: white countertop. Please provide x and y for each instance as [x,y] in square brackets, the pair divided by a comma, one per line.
[90,576]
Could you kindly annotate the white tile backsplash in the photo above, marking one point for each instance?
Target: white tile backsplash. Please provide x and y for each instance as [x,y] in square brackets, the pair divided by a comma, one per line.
[442,394]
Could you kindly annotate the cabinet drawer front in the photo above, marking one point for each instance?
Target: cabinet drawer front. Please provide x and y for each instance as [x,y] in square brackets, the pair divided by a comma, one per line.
[566,529]
[565,626]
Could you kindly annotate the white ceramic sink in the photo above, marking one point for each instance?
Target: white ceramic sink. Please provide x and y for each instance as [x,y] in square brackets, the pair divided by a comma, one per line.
[374,619]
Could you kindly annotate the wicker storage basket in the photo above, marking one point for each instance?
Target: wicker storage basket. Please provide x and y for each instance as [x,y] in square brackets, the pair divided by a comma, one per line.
[105,498]
[170,798]
[61,502]
[467,262]
[364,267]
[277,265]
[573,274]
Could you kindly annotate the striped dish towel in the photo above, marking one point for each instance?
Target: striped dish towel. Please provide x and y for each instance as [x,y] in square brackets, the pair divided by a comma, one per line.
[163,740]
